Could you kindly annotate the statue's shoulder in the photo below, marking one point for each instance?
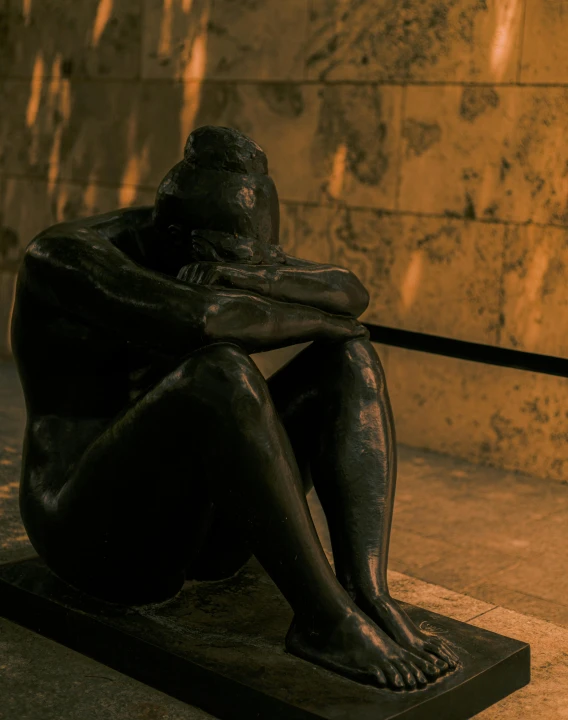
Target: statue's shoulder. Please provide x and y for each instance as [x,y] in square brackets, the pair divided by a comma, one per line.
[108,224]
[122,227]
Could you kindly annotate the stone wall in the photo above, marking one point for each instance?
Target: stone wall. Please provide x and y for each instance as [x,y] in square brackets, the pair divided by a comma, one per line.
[419,142]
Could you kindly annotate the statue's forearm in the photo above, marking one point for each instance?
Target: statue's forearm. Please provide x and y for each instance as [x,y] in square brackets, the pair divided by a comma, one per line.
[329,288]
[85,276]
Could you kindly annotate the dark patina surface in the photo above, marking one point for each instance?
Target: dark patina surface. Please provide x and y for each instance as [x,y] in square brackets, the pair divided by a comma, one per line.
[156,453]
[218,646]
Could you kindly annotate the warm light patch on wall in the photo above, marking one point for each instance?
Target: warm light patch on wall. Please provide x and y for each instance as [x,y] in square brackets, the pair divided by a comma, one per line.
[55,81]
[195,68]
[54,160]
[411,281]
[59,93]
[131,177]
[165,42]
[533,328]
[27,11]
[11,313]
[507,21]
[536,272]
[61,202]
[136,165]
[487,190]
[59,96]
[337,177]
[90,195]
[35,90]
[104,12]
[527,309]
[32,110]
[193,75]
[190,105]
[563,190]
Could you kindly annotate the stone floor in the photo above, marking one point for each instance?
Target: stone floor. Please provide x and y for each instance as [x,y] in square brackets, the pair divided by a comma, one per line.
[479,544]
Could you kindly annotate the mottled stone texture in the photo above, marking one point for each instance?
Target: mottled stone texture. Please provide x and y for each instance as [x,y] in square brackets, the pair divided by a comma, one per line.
[509,418]
[545,44]
[410,40]
[93,38]
[535,289]
[486,152]
[240,40]
[411,266]
[421,143]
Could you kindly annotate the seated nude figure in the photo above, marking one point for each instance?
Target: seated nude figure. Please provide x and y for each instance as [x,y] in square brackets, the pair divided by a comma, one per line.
[156,452]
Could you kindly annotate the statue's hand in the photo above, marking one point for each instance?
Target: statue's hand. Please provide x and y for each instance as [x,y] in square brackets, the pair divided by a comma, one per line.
[201,273]
[274,255]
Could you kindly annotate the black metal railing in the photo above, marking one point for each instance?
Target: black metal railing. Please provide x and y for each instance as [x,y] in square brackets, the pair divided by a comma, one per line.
[474,352]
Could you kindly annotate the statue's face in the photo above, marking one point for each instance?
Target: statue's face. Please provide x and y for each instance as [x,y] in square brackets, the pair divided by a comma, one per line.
[221,204]
[176,249]
[183,246]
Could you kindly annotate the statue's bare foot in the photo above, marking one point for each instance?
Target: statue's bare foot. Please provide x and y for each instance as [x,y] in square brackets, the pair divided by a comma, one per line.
[391,618]
[357,649]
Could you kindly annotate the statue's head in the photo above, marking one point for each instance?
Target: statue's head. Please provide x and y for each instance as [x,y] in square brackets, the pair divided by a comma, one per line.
[222,184]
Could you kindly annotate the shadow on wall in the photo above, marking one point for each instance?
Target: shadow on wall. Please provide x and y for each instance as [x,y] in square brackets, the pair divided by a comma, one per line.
[420,144]
[83,133]
[72,146]
[425,185]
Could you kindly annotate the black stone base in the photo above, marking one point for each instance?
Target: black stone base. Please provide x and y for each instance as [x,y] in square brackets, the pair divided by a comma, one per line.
[219,646]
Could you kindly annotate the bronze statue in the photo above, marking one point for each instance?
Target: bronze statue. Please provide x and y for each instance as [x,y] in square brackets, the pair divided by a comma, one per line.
[156,452]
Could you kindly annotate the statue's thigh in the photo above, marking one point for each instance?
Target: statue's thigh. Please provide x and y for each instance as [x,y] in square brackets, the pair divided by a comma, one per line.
[140,492]
[147,480]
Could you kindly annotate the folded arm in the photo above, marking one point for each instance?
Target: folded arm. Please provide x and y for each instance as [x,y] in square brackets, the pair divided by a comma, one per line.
[82,274]
[326,287]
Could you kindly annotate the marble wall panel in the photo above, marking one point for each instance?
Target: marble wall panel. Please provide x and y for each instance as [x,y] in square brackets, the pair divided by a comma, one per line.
[224,39]
[539,174]
[545,44]
[356,149]
[415,40]
[92,131]
[67,38]
[535,289]
[30,206]
[486,152]
[319,149]
[281,117]
[424,274]
[485,414]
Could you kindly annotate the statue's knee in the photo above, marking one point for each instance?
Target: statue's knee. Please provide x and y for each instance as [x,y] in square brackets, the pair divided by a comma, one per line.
[226,372]
[364,363]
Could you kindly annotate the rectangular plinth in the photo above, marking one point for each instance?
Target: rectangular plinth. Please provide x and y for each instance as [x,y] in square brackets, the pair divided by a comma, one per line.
[220,646]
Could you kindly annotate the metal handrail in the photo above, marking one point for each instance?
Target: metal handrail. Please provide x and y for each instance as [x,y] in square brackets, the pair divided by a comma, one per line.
[464,350]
